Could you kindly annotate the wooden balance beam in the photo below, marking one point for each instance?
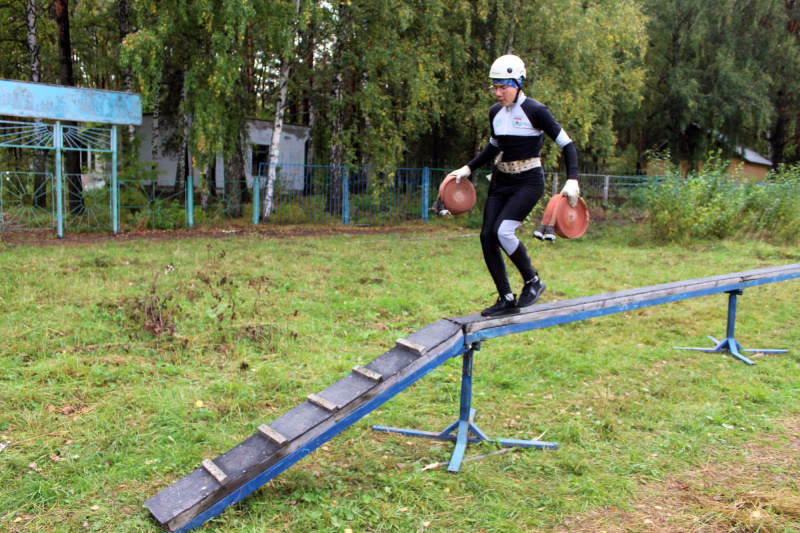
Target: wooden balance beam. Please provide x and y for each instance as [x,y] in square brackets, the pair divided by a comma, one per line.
[230,477]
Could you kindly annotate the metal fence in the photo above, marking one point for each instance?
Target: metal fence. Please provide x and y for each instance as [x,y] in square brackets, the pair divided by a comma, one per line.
[87,206]
[370,196]
[603,190]
[358,196]
[302,194]
[143,205]
[27,200]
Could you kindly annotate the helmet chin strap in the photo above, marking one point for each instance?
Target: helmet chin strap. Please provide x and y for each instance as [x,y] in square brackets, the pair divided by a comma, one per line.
[517,96]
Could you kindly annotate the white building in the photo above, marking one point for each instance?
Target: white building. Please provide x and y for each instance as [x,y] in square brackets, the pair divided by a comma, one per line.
[293,154]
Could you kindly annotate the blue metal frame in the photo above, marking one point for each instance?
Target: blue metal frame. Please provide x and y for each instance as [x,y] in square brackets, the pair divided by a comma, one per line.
[466,422]
[18,194]
[425,192]
[58,144]
[501,331]
[58,137]
[345,197]
[58,102]
[729,343]
[347,421]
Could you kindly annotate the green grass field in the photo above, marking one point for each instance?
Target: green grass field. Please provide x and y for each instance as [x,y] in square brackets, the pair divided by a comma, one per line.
[125,362]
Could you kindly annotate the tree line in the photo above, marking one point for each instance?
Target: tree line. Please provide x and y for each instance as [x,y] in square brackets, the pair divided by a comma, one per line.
[382,82]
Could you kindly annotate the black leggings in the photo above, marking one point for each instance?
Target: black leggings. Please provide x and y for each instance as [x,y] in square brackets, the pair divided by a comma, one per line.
[511,198]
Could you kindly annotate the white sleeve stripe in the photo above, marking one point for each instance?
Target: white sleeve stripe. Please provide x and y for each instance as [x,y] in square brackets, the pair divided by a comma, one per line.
[563,139]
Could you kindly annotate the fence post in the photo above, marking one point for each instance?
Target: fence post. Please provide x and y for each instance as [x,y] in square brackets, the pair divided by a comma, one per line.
[425,186]
[59,200]
[345,197]
[256,196]
[605,190]
[190,197]
[555,183]
[114,184]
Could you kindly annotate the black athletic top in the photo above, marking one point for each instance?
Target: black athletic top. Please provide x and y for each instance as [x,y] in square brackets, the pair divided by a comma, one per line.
[518,131]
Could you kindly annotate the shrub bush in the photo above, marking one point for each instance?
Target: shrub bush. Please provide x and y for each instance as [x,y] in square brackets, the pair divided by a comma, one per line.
[712,203]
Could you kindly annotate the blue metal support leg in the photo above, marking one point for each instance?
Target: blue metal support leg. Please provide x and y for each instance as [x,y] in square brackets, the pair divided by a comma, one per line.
[465,429]
[729,343]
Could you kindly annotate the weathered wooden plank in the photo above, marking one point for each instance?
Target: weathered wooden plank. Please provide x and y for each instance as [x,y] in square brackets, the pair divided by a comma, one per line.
[178,504]
[199,485]
[299,420]
[434,334]
[591,302]
[391,362]
[367,373]
[409,346]
[214,470]
[273,435]
[348,389]
[686,285]
[319,401]
[769,272]
[473,323]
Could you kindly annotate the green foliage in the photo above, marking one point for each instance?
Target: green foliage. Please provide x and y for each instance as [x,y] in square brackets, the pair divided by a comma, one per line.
[712,203]
[719,67]
[417,76]
[586,61]
[203,49]
[622,77]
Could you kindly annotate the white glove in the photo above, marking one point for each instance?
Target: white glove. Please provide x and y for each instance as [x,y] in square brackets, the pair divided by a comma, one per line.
[572,192]
[462,172]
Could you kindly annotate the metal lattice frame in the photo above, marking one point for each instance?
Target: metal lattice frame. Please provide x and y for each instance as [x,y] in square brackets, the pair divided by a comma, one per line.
[57,103]
[44,136]
[142,208]
[88,139]
[19,205]
[36,135]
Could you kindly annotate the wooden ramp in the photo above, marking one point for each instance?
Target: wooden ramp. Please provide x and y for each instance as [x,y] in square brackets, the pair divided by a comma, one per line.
[223,481]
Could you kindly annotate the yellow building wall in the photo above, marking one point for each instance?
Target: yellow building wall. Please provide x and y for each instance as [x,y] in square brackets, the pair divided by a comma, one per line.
[748,171]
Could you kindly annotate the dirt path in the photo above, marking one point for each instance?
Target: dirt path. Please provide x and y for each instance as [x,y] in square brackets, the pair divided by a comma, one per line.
[48,238]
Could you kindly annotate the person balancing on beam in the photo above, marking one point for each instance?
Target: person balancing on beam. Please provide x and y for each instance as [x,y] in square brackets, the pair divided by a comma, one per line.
[518,125]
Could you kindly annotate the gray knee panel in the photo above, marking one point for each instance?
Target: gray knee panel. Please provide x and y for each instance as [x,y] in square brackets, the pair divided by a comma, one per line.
[507,235]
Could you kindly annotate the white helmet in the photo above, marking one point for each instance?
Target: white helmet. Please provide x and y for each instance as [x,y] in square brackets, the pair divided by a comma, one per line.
[506,67]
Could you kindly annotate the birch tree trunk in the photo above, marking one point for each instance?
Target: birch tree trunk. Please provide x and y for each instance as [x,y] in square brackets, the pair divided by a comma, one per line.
[183,163]
[37,165]
[33,43]
[155,141]
[307,37]
[333,203]
[275,143]
[277,126]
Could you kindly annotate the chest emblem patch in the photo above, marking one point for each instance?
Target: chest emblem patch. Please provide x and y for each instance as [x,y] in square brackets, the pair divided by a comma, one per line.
[517,122]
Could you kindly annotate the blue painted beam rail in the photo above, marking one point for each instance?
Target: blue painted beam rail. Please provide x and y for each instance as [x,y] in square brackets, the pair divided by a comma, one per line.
[58,102]
[230,477]
[478,328]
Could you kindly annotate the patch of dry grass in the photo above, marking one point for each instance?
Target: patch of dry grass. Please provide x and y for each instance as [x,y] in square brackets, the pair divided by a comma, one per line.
[756,491]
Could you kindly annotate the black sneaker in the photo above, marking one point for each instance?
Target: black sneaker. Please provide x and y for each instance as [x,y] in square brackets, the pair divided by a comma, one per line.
[539,233]
[531,292]
[501,307]
[549,234]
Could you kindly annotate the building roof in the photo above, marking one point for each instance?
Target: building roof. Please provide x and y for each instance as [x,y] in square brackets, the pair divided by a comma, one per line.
[753,157]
